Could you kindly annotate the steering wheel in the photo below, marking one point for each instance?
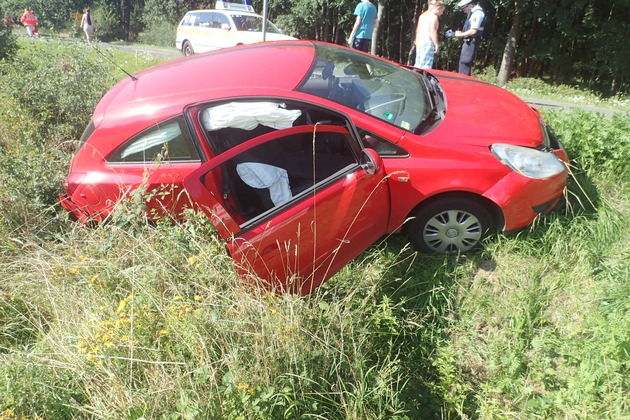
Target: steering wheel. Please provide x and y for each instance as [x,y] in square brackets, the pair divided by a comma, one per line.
[327,74]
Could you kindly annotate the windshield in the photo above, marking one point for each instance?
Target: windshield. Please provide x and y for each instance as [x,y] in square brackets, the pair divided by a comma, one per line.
[253,24]
[366,83]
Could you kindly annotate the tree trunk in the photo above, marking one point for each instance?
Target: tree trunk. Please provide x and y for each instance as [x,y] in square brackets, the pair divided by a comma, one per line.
[509,52]
[126,18]
[379,16]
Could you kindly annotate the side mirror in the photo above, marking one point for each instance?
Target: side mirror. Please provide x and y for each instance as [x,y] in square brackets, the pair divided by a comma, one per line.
[225,26]
[371,161]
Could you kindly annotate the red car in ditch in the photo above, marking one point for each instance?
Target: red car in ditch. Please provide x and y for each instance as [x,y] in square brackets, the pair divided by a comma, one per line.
[303,154]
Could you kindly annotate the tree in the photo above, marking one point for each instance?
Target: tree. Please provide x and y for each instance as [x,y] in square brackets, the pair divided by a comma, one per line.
[8,44]
[509,52]
[120,19]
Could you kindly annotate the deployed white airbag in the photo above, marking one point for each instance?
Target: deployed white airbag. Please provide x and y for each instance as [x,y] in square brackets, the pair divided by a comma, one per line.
[247,116]
[261,175]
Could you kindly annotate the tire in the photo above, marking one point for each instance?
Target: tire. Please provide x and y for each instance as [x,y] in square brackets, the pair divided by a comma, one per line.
[450,226]
[187,49]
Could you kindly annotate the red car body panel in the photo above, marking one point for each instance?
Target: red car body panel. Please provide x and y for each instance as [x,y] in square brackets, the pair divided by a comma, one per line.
[298,245]
[481,113]
[309,241]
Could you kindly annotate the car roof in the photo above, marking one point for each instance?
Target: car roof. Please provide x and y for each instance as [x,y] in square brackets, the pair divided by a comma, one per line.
[165,90]
[226,11]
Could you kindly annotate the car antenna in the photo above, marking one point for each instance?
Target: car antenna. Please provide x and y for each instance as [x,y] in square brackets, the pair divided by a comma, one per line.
[134,78]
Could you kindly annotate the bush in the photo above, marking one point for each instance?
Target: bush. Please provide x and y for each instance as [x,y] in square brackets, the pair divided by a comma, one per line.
[50,95]
[596,143]
[8,45]
[161,34]
[98,322]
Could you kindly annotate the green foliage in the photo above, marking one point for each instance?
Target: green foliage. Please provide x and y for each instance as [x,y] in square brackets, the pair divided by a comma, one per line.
[109,24]
[118,20]
[53,15]
[170,11]
[50,94]
[39,73]
[36,389]
[18,322]
[159,33]
[597,144]
[8,44]
[97,322]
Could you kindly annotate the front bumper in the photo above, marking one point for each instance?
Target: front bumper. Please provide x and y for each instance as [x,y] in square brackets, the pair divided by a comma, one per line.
[522,199]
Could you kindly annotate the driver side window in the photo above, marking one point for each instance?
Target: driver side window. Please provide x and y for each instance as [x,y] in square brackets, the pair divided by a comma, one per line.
[284,154]
[282,170]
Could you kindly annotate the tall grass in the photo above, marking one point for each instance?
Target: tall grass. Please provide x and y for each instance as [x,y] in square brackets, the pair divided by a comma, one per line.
[138,322]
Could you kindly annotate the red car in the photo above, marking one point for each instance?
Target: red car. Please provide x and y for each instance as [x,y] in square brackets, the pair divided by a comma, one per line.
[304,153]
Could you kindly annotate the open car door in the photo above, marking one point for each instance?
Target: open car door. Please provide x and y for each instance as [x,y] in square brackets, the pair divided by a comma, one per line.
[294,205]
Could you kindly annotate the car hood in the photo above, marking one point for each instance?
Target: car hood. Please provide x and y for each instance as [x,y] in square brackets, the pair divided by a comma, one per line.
[481,113]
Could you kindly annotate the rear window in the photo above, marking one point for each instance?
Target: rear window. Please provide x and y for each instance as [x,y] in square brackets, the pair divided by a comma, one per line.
[87,133]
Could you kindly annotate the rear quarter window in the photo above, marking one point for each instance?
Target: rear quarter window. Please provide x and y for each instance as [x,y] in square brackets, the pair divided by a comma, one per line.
[168,141]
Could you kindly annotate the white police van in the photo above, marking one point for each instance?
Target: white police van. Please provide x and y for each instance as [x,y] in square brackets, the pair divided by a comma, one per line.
[227,25]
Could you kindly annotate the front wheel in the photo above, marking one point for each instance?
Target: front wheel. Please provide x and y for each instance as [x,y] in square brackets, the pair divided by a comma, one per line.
[451,225]
[187,49]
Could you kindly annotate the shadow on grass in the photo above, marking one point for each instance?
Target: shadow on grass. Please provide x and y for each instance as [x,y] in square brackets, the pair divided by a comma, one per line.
[423,291]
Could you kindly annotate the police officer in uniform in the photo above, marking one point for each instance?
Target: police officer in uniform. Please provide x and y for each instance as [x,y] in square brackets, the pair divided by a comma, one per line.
[471,34]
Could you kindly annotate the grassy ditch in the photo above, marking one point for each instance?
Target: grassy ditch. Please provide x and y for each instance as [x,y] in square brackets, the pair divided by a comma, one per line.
[152,322]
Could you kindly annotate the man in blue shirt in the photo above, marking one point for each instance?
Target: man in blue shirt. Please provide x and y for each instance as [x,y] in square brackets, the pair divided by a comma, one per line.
[471,34]
[361,36]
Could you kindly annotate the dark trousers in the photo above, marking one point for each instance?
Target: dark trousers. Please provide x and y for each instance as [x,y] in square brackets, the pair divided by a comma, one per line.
[468,54]
[361,44]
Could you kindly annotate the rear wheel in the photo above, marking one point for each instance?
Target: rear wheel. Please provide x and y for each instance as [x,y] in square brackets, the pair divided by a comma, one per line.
[450,226]
[187,49]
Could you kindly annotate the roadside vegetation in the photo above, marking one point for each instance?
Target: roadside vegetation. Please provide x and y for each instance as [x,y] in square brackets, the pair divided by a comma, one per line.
[134,321]
[577,43]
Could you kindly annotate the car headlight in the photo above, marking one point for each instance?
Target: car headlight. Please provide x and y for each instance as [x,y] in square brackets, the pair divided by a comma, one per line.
[529,162]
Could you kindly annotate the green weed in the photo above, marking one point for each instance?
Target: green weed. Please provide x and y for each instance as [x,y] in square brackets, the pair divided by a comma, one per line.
[129,320]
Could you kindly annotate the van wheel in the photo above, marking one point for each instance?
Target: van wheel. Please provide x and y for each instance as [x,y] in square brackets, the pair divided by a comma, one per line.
[187,49]
[450,226]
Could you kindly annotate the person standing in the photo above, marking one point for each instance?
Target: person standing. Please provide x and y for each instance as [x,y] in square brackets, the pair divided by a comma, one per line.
[87,25]
[364,24]
[427,44]
[471,34]
[29,20]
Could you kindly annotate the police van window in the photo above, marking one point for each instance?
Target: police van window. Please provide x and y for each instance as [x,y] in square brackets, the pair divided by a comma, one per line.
[190,19]
[217,19]
[204,19]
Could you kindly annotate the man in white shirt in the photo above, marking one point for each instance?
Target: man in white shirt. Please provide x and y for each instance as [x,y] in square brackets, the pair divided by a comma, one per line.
[471,34]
